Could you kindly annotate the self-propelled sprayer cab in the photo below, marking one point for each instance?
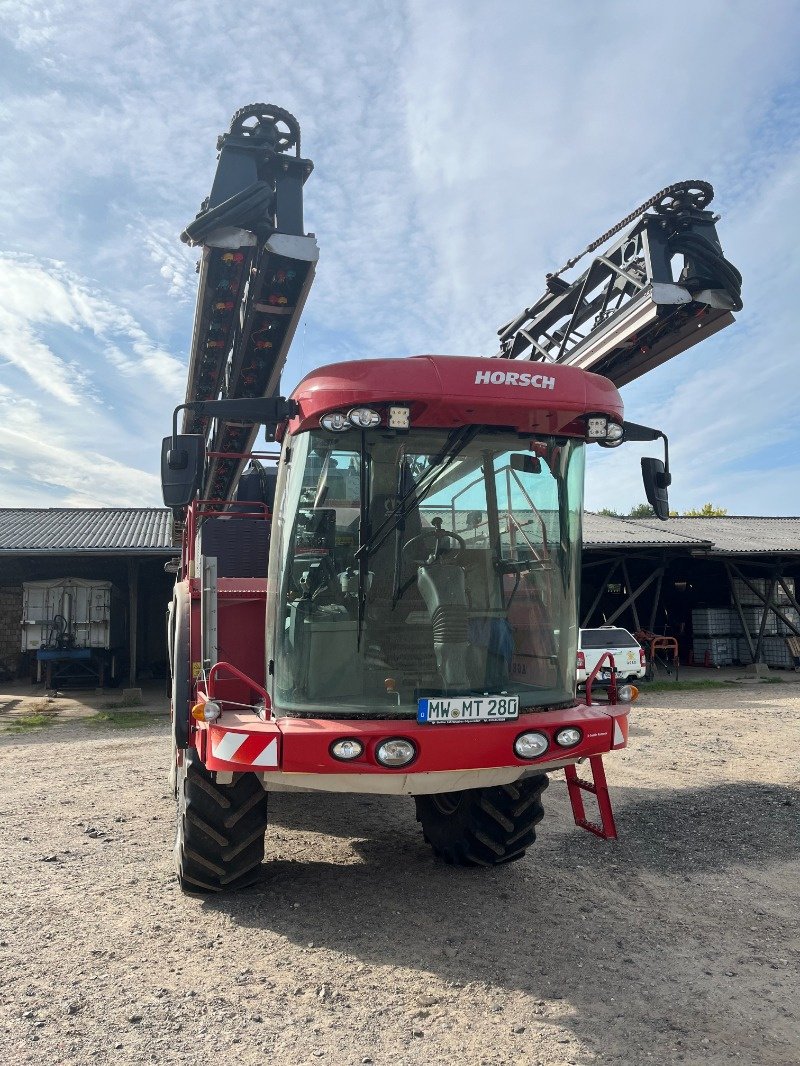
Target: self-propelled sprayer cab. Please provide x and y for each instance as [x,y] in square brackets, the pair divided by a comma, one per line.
[426,540]
[420,591]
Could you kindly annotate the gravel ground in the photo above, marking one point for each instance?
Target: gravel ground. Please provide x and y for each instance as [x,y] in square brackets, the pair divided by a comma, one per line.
[678,943]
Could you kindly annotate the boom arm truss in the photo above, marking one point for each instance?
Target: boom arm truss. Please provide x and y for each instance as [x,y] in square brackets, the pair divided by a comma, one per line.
[630,311]
[256,269]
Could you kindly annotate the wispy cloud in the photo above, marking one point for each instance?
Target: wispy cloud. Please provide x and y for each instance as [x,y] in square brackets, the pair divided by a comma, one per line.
[458,158]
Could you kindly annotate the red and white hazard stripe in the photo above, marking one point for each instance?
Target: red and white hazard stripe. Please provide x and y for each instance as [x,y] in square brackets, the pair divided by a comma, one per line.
[619,738]
[247,749]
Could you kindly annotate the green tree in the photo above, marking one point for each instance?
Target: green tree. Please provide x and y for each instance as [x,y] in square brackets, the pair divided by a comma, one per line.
[609,511]
[641,510]
[708,510]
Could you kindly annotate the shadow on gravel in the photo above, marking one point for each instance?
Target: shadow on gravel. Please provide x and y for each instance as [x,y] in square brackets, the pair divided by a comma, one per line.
[565,923]
[685,830]
[695,830]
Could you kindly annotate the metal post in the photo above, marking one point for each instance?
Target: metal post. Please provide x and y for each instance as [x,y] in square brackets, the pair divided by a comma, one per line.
[133,617]
[764,616]
[208,610]
[637,624]
[659,582]
[740,612]
[789,595]
[599,596]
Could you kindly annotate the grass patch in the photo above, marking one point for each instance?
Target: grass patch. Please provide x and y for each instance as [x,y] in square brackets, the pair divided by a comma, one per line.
[690,686]
[682,686]
[26,722]
[130,699]
[123,719]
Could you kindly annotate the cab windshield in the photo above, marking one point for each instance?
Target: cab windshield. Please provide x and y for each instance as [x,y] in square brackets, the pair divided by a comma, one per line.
[425,563]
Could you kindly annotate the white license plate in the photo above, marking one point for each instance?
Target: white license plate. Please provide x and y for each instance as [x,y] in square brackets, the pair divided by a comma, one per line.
[605,675]
[438,709]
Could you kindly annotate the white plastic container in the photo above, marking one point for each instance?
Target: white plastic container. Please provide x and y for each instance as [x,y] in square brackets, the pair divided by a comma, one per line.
[73,612]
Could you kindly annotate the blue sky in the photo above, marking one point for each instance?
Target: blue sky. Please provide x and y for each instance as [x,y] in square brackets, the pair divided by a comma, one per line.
[461,149]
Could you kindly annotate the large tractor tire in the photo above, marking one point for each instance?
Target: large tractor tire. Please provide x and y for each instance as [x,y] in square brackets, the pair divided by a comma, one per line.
[178,651]
[219,844]
[483,826]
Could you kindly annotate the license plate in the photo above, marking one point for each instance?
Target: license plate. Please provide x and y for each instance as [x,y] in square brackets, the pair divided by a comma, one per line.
[452,709]
[605,675]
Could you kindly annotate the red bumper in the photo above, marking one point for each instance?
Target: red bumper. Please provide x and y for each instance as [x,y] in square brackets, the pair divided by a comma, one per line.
[240,742]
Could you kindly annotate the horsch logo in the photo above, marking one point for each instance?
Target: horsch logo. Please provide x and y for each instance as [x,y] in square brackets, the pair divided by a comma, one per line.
[511,377]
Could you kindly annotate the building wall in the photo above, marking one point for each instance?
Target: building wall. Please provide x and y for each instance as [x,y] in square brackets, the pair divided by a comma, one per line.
[10,634]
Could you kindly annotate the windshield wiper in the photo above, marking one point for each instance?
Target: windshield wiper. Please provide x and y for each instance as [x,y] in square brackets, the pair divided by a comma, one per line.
[456,441]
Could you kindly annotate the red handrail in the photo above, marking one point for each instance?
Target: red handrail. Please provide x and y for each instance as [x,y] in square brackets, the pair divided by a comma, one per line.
[215,669]
[612,688]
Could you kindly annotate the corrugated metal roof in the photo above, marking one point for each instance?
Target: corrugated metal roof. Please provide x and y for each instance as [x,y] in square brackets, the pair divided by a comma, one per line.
[736,534]
[104,530]
[132,530]
[608,531]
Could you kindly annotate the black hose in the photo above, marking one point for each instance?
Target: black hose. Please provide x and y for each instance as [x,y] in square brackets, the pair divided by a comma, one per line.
[720,269]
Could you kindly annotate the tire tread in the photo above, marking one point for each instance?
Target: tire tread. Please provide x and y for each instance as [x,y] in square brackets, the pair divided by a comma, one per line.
[489,826]
[220,838]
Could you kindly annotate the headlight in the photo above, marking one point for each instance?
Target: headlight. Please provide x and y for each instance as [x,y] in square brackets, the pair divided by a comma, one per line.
[399,417]
[604,431]
[597,427]
[364,417]
[348,748]
[335,422]
[569,737]
[614,434]
[530,745]
[395,752]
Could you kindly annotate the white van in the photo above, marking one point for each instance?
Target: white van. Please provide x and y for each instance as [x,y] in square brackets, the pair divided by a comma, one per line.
[629,657]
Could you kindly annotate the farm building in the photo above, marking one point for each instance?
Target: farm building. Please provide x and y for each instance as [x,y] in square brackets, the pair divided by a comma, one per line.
[723,587]
[83,593]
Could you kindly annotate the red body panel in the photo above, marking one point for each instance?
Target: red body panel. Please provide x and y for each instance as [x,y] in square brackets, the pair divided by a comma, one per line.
[453,390]
[302,744]
[241,605]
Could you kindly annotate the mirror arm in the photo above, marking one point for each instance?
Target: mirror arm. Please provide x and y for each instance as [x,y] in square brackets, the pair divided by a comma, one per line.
[177,460]
[633,431]
[284,408]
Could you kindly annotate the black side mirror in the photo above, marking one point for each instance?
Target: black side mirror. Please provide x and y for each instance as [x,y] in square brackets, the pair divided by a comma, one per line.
[528,464]
[183,458]
[656,482]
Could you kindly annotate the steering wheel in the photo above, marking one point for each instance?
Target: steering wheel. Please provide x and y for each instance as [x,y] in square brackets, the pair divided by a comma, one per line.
[439,535]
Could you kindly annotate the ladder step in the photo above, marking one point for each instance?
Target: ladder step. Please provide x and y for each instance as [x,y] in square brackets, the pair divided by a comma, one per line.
[592,827]
[587,786]
[607,830]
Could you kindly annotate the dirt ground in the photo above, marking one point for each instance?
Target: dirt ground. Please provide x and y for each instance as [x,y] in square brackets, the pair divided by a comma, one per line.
[678,943]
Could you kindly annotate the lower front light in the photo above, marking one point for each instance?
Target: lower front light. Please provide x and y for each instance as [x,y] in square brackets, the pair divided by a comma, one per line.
[569,737]
[345,749]
[395,752]
[530,745]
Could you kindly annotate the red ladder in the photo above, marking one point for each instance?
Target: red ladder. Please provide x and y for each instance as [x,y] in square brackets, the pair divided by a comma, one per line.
[607,830]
